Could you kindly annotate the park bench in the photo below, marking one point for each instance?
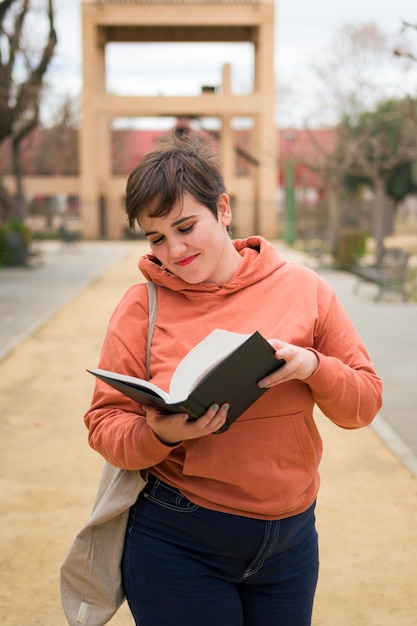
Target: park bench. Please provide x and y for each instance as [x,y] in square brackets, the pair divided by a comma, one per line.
[68,237]
[389,275]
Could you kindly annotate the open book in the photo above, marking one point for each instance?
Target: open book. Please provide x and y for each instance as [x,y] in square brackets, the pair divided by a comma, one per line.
[223,367]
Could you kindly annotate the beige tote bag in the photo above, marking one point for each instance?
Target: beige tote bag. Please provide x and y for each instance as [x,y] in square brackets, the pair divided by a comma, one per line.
[91,581]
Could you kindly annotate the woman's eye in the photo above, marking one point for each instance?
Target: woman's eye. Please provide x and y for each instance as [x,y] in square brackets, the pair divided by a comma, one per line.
[186,229]
[156,241]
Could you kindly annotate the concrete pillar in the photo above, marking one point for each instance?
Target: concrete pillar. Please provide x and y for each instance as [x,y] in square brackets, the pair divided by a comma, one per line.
[226,137]
[89,149]
[265,127]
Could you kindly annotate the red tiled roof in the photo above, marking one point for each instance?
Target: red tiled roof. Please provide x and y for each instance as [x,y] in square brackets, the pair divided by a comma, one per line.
[129,146]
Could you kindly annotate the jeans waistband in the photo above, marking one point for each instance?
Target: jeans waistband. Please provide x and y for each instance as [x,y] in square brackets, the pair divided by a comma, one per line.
[153,480]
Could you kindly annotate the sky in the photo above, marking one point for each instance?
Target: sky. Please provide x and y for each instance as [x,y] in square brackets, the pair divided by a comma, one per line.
[304,31]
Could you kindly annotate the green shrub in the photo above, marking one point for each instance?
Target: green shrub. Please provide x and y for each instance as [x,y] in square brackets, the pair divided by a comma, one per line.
[350,246]
[15,239]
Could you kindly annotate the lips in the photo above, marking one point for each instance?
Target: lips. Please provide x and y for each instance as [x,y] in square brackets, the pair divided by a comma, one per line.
[187,260]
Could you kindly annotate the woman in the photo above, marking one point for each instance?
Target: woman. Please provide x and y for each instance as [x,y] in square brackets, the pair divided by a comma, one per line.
[224,532]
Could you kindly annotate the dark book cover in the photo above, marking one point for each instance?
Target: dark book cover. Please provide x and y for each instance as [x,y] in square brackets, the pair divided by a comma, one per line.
[234,380]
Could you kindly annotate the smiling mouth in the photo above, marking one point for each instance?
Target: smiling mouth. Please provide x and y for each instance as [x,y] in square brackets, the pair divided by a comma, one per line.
[187,260]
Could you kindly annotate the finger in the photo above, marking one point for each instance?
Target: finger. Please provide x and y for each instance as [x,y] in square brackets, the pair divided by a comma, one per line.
[279,376]
[214,416]
[277,343]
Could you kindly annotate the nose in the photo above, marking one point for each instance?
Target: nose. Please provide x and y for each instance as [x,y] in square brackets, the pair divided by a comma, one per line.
[176,248]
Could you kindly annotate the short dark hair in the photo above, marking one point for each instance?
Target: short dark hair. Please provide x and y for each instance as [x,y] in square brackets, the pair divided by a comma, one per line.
[177,165]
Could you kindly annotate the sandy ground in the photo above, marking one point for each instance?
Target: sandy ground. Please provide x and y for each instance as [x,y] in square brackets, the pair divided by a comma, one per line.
[48,477]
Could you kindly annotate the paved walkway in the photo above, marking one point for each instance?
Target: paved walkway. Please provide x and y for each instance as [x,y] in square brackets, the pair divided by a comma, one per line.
[48,475]
[31,296]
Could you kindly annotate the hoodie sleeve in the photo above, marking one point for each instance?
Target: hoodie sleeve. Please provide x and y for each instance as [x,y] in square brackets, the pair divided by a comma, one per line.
[117,428]
[345,386]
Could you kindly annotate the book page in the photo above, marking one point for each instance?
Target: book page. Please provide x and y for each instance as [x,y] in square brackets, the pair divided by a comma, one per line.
[134,382]
[201,359]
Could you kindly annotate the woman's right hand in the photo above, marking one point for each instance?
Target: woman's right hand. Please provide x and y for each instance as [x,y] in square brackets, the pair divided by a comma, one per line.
[172,428]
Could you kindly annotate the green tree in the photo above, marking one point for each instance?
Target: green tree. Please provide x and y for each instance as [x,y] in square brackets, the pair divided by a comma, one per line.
[377,145]
[402,181]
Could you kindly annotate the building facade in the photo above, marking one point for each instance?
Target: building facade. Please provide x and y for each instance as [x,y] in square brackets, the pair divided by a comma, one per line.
[253,192]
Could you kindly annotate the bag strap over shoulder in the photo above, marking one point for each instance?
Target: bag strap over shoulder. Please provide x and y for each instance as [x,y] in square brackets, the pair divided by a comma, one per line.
[153,310]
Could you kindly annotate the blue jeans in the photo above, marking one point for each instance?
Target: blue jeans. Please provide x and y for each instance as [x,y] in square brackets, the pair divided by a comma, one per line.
[186,565]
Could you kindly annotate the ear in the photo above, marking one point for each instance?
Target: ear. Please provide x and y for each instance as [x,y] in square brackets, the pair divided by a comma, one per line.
[224,211]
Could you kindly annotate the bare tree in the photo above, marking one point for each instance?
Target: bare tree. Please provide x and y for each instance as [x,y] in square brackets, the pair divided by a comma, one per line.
[402,49]
[370,148]
[328,165]
[357,73]
[375,145]
[57,151]
[355,80]
[347,84]
[22,72]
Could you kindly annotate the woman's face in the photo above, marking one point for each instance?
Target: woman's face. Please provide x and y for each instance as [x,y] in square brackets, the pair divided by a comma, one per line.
[191,243]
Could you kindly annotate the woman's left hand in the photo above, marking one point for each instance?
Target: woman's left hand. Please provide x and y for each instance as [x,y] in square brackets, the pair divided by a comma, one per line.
[300,363]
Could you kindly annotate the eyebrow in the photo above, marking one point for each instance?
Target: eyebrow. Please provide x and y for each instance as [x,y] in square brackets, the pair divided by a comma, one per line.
[177,222]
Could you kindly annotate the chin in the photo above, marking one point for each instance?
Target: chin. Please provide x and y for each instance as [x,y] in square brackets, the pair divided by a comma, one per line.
[193,277]
[196,281]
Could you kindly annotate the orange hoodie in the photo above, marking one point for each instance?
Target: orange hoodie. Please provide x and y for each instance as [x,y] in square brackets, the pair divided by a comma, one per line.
[266,465]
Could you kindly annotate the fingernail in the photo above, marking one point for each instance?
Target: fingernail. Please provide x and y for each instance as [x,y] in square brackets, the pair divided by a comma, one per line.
[226,406]
[214,407]
[262,384]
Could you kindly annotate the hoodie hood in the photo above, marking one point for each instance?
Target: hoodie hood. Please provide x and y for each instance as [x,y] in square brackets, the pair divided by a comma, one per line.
[259,259]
